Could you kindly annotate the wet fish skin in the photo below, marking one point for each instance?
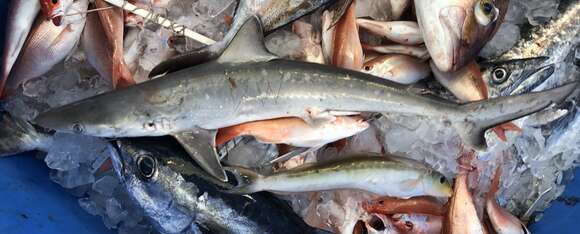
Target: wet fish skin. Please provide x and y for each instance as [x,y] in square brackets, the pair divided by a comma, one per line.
[419,52]
[18,136]
[455,30]
[399,68]
[382,175]
[47,45]
[197,193]
[517,76]
[347,50]
[392,205]
[401,32]
[21,15]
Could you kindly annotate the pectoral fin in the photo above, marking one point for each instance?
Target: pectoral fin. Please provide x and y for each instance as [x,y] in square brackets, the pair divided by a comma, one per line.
[200,145]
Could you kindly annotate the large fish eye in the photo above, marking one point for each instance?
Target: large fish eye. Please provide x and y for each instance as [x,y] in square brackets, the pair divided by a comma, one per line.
[485,12]
[146,166]
[442,180]
[499,75]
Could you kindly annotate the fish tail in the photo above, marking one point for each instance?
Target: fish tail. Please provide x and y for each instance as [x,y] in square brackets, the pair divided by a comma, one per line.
[246,180]
[18,135]
[476,117]
[121,77]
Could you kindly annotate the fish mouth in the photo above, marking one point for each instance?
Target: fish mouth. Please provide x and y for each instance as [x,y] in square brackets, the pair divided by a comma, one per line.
[534,79]
[452,19]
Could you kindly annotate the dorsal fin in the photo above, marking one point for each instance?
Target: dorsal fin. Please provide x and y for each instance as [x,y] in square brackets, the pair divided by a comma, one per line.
[247,45]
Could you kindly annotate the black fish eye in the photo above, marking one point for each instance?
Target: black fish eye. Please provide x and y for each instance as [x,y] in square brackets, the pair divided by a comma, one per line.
[499,75]
[442,180]
[78,128]
[487,8]
[146,166]
[54,1]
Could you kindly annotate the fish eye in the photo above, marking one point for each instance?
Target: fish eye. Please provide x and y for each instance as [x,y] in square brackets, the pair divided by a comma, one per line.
[55,2]
[485,12]
[442,180]
[499,75]
[78,128]
[367,67]
[146,166]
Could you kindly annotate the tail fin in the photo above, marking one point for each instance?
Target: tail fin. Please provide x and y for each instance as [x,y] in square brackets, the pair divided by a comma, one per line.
[246,180]
[121,77]
[18,135]
[476,117]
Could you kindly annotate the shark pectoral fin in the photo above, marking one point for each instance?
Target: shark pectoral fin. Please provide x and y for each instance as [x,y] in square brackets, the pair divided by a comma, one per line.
[200,145]
[248,45]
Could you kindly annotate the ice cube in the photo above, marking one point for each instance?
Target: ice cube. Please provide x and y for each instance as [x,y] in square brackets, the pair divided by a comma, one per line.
[114,213]
[106,185]
[88,205]
[72,178]
[541,11]
[505,38]
[69,150]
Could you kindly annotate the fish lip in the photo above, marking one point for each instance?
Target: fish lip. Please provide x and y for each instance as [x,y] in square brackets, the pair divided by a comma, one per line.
[452,20]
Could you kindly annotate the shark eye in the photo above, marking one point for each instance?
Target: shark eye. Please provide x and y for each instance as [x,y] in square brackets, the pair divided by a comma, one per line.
[78,128]
[485,12]
[146,166]
[499,75]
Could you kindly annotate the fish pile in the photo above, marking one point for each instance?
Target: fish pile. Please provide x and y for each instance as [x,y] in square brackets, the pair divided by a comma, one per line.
[345,116]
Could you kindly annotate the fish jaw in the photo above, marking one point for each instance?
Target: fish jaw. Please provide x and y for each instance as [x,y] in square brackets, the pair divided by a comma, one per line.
[512,77]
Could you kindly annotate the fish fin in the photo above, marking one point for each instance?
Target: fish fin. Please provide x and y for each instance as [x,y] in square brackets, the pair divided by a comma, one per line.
[245,179]
[247,45]
[501,129]
[121,76]
[476,117]
[292,154]
[200,145]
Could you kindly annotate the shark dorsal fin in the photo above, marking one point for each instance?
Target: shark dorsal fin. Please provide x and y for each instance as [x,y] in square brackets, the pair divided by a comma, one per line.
[247,45]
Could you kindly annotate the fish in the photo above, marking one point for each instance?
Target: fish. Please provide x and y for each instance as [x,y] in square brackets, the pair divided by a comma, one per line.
[401,32]
[99,52]
[418,224]
[174,192]
[516,76]
[191,104]
[416,205]
[383,175]
[461,214]
[54,9]
[19,136]
[112,22]
[502,221]
[456,30]
[272,13]
[295,131]
[309,41]
[47,45]
[399,68]
[419,52]
[347,50]
[21,15]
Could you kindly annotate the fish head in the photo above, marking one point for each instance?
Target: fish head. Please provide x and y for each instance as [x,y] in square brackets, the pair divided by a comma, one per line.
[152,186]
[512,77]
[54,9]
[437,185]
[454,31]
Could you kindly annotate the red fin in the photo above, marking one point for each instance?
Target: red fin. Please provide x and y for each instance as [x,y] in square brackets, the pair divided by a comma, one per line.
[227,134]
[125,78]
[501,129]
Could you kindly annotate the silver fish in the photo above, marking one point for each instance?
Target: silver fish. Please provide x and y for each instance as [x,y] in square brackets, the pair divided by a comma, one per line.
[273,14]
[47,45]
[21,15]
[247,83]
[513,77]
[383,175]
[18,136]
[174,193]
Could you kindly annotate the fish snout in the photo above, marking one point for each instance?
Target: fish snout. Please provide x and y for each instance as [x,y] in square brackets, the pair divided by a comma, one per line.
[448,58]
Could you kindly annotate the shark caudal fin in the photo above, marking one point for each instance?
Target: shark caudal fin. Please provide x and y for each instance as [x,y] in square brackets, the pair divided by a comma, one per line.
[476,117]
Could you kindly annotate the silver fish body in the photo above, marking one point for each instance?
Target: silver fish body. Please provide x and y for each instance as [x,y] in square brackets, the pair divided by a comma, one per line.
[174,193]
[383,175]
[18,136]
[513,77]
[21,15]
[47,45]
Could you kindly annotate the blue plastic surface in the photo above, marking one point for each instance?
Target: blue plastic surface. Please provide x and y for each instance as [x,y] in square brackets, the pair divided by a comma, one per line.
[31,203]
